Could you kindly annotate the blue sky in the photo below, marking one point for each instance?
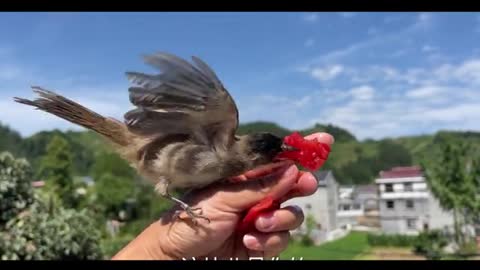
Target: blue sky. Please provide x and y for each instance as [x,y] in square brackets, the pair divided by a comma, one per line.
[376,74]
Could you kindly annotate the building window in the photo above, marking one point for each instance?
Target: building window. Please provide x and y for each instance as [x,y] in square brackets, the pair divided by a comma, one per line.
[388,187]
[411,223]
[390,204]
[410,204]
[408,187]
[356,206]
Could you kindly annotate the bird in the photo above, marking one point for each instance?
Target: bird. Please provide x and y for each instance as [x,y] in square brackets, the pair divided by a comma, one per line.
[182,131]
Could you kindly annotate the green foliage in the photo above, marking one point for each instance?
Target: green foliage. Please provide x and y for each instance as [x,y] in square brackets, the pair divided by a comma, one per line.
[40,233]
[384,240]
[112,246]
[468,249]
[56,168]
[84,146]
[453,177]
[112,163]
[16,192]
[36,229]
[310,223]
[431,244]
[10,140]
[366,167]
[113,192]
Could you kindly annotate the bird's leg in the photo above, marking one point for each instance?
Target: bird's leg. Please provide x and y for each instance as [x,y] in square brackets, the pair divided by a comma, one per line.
[162,188]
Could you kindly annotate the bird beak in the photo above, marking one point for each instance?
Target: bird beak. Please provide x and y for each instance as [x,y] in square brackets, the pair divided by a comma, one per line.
[286,147]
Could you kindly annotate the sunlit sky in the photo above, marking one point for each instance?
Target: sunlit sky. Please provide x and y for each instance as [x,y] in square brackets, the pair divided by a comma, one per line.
[375,74]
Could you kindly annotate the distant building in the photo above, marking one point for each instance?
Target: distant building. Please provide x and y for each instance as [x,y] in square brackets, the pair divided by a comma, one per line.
[322,206]
[406,205]
[358,206]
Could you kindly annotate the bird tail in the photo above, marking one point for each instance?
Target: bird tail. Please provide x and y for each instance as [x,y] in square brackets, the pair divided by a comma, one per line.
[75,113]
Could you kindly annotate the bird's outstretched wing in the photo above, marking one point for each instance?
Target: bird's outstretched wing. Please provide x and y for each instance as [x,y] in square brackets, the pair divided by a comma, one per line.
[185,98]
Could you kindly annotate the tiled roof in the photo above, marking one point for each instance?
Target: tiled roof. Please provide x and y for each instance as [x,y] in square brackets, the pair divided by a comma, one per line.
[400,172]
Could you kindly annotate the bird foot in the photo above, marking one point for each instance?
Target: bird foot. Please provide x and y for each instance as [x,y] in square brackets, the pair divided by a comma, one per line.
[193,213]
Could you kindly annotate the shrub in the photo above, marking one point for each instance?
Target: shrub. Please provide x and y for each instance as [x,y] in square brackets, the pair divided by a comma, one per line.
[16,193]
[430,244]
[391,240]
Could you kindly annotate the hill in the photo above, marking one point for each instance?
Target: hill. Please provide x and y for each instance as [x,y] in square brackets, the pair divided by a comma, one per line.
[351,160]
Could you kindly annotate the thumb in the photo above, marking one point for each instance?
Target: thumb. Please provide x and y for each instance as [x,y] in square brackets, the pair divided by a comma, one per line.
[243,195]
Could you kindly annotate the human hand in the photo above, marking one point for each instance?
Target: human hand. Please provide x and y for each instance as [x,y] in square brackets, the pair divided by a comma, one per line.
[224,204]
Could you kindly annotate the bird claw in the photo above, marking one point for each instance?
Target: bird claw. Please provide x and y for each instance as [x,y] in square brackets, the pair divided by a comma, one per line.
[191,214]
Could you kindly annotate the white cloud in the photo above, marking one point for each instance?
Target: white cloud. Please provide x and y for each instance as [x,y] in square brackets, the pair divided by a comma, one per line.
[327,73]
[412,100]
[303,101]
[310,17]
[26,120]
[469,71]
[363,92]
[425,92]
[454,113]
[422,22]
[309,42]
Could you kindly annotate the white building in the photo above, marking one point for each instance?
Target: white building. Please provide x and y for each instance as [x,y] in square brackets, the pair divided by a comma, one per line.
[358,207]
[322,206]
[406,205]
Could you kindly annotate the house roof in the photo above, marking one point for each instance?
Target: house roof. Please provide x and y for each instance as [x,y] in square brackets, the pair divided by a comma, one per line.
[366,189]
[402,172]
[322,178]
[321,175]
[37,184]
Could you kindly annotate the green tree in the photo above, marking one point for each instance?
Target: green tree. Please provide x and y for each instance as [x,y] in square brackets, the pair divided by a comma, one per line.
[109,162]
[15,186]
[56,168]
[10,140]
[453,178]
[33,229]
[44,233]
[113,193]
[391,154]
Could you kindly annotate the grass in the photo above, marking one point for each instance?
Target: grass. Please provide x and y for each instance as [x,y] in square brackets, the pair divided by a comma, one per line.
[347,248]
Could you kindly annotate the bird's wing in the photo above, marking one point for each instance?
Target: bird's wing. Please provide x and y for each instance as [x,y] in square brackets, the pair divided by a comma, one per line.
[184,98]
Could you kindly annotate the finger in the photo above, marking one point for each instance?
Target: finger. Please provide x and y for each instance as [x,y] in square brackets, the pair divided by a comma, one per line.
[321,137]
[286,219]
[244,195]
[306,185]
[266,169]
[271,242]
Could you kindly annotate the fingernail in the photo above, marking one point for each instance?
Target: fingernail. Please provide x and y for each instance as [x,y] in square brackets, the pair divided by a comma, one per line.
[266,222]
[297,209]
[250,241]
[291,170]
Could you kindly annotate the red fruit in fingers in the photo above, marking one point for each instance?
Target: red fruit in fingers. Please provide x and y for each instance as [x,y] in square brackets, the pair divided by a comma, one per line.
[310,154]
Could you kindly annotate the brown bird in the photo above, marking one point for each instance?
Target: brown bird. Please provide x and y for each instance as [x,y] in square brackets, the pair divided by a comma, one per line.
[182,133]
